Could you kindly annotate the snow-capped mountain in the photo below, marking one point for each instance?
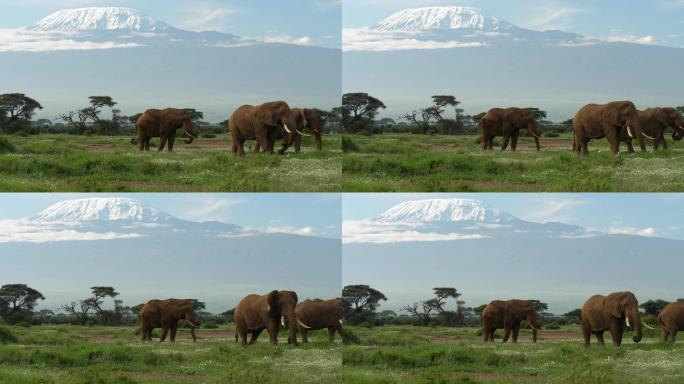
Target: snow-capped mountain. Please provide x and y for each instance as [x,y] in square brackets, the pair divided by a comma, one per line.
[443,210]
[429,18]
[100,18]
[101,209]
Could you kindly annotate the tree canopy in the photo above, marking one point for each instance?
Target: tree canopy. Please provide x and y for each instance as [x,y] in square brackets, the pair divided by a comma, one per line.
[362,297]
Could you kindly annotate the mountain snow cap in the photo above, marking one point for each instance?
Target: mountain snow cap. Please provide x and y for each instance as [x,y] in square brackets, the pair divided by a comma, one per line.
[427,18]
[443,210]
[99,19]
[101,210]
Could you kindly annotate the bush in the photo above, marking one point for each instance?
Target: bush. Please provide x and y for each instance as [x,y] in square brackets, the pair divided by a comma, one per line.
[6,336]
[210,326]
[552,326]
[208,135]
[6,146]
[551,134]
[348,145]
[348,337]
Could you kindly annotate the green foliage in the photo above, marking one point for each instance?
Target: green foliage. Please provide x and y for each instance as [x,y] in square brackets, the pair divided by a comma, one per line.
[6,336]
[6,146]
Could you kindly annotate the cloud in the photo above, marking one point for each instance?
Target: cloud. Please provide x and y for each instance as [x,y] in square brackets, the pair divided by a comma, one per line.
[646,232]
[21,40]
[203,209]
[207,16]
[553,209]
[283,39]
[15,231]
[367,39]
[552,17]
[646,40]
[367,231]
[305,231]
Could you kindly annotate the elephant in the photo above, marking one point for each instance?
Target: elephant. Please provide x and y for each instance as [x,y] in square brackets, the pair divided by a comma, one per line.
[255,313]
[616,121]
[671,319]
[654,122]
[508,315]
[611,313]
[263,124]
[314,315]
[507,123]
[166,314]
[309,119]
[163,124]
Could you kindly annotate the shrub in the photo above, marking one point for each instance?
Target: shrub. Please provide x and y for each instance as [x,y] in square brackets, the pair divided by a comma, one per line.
[348,145]
[208,135]
[6,146]
[551,134]
[348,337]
[210,326]
[6,336]
[552,326]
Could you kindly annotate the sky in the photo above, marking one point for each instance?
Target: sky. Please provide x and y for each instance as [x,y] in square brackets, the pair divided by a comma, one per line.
[317,20]
[320,212]
[663,20]
[658,215]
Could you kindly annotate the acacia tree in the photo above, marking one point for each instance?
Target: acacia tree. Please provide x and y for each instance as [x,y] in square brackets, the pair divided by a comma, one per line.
[434,114]
[17,300]
[358,110]
[360,301]
[16,110]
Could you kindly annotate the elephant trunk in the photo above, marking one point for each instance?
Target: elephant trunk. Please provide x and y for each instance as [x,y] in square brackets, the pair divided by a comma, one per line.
[292,324]
[635,318]
[532,321]
[192,332]
[634,129]
[187,127]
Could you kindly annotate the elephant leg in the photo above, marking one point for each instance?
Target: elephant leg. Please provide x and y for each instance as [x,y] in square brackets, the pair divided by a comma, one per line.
[162,143]
[665,333]
[240,147]
[172,139]
[616,331]
[298,143]
[242,333]
[673,334]
[514,142]
[165,331]
[516,331]
[485,333]
[255,335]
[630,147]
[614,141]
[257,147]
[599,338]
[141,143]
[506,139]
[331,334]
[586,333]
[284,148]
[273,334]
[174,329]
[507,333]
[305,335]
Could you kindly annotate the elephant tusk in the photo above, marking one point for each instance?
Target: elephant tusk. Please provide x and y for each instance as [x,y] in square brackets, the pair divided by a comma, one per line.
[534,134]
[647,136]
[533,327]
[302,133]
[287,129]
[302,324]
[629,131]
[627,321]
[282,320]
[681,128]
[340,321]
[191,324]
[646,325]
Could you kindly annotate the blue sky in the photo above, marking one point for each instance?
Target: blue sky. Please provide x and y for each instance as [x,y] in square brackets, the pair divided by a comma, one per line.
[658,214]
[317,19]
[661,19]
[321,212]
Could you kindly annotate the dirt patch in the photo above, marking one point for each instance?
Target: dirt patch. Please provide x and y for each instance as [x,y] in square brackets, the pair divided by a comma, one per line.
[167,377]
[443,339]
[487,185]
[558,335]
[506,377]
[206,144]
[548,144]
[214,335]
[101,338]
[98,148]
[441,147]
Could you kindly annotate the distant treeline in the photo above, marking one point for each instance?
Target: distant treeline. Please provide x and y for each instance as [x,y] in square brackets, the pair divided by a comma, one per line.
[359,111]
[445,308]
[17,111]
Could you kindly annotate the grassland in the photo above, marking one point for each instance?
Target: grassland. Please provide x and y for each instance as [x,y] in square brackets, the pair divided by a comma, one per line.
[64,163]
[390,354]
[446,355]
[421,163]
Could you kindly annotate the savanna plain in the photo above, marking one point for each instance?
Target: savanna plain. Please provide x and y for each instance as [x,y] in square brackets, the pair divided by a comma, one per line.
[64,163]
[384,354]
[394,162]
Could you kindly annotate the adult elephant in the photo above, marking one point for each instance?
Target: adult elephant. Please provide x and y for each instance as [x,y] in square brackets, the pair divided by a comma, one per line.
[611,313]
[166,314]
[654,122]
[262,123]
[508,315]
[162,124]
[616,121]
[315,315]
[307,119]
[507,123]
[671,319]
[255,313]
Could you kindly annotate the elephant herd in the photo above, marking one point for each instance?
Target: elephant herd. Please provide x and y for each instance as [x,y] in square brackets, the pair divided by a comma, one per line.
[613,313]
[618,121]
[265,123]
[253,315]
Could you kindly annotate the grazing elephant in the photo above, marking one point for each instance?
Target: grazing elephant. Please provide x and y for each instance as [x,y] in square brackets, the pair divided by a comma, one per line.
[162,124]
[255,313]
[306,118]
[314,315]
[507,123]
[654,122]
[262,123]
[166,314]
[508,315]
[615,121]
[611,313]
[671,320]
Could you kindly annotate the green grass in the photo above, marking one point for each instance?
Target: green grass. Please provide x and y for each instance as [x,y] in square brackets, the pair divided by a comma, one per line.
[64,163]
[391,354]
[405,354]
[421,163]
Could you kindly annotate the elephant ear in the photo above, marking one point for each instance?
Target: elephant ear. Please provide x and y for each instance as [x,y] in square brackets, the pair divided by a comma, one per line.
[662,115]
[272,301]
[268,115]
[613,116]
[615,305]
[304,118]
